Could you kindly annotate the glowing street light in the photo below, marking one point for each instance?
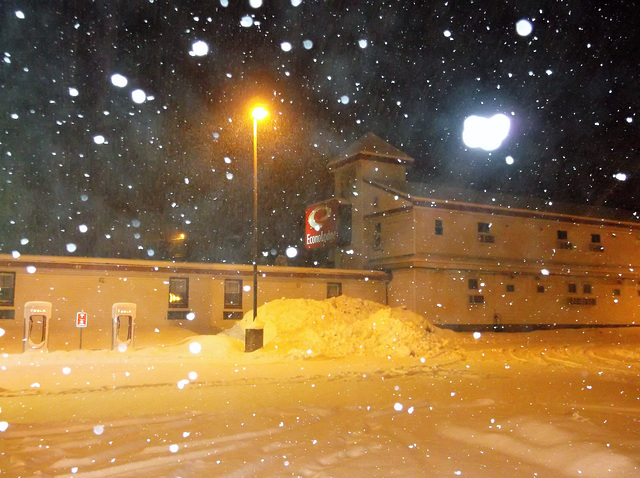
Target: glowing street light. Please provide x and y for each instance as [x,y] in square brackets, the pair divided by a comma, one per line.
[259,113]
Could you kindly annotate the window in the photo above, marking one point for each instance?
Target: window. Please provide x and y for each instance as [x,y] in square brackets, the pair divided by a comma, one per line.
[7,288]
[484,227]
[511,288]
[572,289]
[233,293]
[586,288]
[563,242]
[473,284]
[595,243]
[476,299]
[377,237]
[439,229]
[178,292]
[540,289]
[616,292]
[334,289]
[581,301]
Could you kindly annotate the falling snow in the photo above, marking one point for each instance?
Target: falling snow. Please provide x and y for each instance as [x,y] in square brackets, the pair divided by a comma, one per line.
[123,125]
[498,404]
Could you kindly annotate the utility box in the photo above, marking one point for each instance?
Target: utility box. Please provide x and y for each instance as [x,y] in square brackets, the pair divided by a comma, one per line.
[124,317]
[37,315]
[253,339]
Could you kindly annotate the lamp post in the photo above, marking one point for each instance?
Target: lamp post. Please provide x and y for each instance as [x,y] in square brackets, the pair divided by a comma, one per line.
[259,113]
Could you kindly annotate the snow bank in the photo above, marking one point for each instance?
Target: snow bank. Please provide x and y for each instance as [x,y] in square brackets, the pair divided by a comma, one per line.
[343,326]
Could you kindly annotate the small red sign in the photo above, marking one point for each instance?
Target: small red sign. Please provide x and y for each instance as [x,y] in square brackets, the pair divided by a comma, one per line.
[81,319]
[321,224]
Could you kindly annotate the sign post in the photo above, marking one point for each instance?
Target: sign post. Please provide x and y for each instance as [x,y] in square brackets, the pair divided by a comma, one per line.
[81,323]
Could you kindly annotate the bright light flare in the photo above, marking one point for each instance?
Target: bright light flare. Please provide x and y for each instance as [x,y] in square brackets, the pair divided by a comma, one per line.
[259,113]
[485,133]
[524,27]
[291,252]
[199,48]
[119,80]
[138,96]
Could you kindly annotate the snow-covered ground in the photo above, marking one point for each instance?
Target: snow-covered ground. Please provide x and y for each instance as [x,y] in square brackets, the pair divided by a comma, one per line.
[342,388]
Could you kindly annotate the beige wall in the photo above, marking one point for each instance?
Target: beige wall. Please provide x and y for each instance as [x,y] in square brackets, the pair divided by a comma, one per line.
[74,285]
[521,238]
[397,235]
[351,184]
[443,297]
[431,272]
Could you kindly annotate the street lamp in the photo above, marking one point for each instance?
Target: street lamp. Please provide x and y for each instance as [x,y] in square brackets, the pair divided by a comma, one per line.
[259,113]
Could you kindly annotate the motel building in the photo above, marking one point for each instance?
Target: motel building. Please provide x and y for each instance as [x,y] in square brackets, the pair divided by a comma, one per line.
[465,260]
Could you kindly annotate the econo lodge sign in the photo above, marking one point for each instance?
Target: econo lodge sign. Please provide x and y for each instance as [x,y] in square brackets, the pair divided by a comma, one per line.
[321,224]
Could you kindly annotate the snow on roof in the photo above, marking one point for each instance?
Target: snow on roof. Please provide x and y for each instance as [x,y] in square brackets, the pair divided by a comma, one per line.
[371,147]
[421,191]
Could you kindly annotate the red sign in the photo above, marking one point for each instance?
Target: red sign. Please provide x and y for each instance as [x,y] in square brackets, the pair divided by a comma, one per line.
[81,319]
[321,224]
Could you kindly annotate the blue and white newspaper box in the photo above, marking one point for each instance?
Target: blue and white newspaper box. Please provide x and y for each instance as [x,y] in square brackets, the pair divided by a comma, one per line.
[124,317]
[36,325]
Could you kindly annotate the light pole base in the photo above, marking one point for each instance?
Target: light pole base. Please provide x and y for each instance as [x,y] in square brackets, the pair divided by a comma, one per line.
[253,339]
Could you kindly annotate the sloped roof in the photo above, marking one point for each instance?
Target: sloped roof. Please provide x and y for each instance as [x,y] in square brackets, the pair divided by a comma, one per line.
[423,193]
[373,148]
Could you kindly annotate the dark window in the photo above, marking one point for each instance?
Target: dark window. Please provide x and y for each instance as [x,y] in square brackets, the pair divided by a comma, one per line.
[616,291]
[233,293]
[9,314]
[540,289]
[484,227]
[586,288]
[377,237]
[178,315]
[476,299]
[562,235]
[595,238]
[7,288]
[473,284]
[334,289]
[439,228]
[232,315]
[572,289]
[178,292]
[581,301]
[511,288]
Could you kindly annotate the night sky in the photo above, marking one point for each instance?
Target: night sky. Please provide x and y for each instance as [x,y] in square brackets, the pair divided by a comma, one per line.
[92,166]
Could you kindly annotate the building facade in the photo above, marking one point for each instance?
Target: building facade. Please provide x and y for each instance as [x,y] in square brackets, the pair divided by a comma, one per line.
[170,298]
[464,258]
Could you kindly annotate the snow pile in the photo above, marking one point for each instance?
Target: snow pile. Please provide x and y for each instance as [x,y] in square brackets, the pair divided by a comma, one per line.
[344,326]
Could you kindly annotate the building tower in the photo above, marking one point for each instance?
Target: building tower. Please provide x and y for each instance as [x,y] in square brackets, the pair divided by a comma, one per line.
[368,161]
